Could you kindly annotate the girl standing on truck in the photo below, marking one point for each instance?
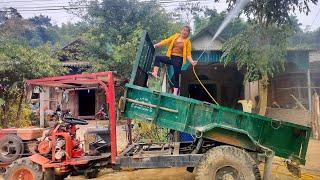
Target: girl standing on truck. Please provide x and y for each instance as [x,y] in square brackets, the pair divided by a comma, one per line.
[178,52]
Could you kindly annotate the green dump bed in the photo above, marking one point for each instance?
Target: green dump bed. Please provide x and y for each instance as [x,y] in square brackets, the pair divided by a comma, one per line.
[201,119]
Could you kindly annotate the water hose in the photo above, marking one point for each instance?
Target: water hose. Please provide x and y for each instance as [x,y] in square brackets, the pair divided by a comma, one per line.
[197,77]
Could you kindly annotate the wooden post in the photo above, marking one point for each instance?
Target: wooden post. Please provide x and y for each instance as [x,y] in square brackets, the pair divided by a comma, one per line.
[309,90]
[318,114]
[44,104]
[315,116]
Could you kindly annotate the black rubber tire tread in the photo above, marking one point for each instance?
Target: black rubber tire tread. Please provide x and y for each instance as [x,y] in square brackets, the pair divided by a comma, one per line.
[50,175]
[224,155]
[19,146]
[61,177]
[24,163]
[92,174]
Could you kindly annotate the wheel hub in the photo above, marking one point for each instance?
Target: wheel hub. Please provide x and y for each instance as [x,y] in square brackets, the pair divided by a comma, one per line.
[227,173]
[8,148]
[22,174]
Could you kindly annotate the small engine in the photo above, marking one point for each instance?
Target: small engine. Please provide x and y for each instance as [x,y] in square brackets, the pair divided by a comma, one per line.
[44,147]
[60,142]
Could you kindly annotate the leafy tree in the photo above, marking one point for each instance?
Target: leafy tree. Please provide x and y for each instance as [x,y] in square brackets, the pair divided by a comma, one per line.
[12,24]
[305,40]
[187,12]
[69,32]
[261,49]
[35,31]
[38,30]
[19,62]
[9,13]
[114,31]
[294,24]
[41,20]
[42,31]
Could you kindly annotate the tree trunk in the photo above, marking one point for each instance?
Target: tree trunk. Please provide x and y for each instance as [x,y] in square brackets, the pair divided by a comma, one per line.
[5,115]
[263,94]
[17,120]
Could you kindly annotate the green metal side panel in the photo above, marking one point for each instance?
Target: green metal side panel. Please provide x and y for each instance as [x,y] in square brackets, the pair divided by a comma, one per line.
[218,123]
[143,61]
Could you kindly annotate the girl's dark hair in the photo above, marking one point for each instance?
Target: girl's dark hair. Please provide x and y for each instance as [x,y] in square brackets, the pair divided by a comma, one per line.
[188,27]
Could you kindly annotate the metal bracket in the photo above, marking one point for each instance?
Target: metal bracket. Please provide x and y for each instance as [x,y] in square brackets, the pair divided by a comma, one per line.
[151,105]
[122,104]
[294,168]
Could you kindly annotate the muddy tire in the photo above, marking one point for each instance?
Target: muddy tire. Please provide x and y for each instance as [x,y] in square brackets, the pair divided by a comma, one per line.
[61,177]
[92,173]
[23,169]
[227,162]
[11,148]
[50,175]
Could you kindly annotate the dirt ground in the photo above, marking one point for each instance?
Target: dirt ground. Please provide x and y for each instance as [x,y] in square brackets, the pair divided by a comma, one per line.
[311,171]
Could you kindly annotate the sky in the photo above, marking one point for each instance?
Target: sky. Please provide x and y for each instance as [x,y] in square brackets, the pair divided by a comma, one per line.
[27,7]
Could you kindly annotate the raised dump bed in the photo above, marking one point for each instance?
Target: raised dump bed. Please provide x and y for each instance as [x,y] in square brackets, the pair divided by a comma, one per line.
[225,125]
[257,135]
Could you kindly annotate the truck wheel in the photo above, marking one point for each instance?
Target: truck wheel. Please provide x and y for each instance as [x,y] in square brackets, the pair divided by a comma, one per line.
[49,174]
[11,148]
[92,173]
[61,177]
[23,169]
[227,162]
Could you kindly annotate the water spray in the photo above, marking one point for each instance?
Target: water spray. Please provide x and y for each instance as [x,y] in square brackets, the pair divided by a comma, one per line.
[230,17]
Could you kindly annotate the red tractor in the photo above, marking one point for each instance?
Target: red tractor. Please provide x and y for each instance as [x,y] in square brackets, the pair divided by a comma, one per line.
[60,152]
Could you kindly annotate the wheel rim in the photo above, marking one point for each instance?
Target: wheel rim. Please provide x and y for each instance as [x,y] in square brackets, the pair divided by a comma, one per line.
[22,173]
[227,173]
[8,149]
[4,150]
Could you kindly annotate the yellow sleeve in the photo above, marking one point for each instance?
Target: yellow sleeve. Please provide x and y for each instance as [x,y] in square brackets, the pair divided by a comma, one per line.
[168,40]
[189,45]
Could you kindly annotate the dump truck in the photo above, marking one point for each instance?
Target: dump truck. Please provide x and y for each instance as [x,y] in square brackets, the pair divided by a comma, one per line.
[228,142]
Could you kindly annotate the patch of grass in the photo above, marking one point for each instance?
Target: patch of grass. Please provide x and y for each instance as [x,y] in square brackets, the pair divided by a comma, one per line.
[147,132]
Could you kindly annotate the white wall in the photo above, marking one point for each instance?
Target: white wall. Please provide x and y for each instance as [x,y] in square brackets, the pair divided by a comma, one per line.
[314,56]
[251,90]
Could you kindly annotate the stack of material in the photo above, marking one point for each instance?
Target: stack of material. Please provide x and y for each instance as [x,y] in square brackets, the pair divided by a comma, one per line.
[315,116]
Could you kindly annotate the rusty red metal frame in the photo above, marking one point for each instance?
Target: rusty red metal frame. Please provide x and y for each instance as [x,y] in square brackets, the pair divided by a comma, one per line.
[103,79]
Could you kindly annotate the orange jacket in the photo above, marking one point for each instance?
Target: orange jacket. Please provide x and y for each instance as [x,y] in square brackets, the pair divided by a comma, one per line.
[186,46]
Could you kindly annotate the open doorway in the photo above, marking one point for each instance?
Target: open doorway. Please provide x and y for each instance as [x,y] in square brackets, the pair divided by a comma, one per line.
[87,101]
[196,91]
[225,84]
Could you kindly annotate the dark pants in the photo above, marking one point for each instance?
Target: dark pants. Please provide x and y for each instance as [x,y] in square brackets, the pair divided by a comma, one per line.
[176,62]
